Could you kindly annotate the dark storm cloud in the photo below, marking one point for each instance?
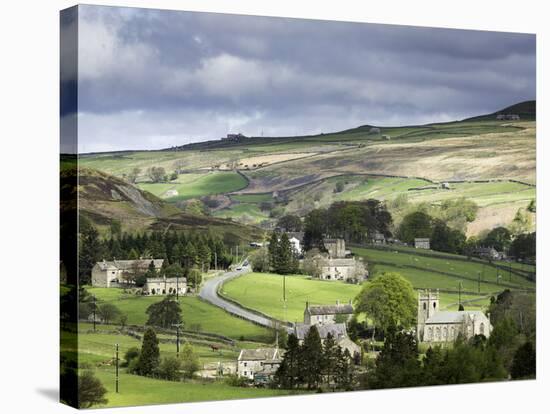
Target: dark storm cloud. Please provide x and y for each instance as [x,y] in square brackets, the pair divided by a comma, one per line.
[152,78]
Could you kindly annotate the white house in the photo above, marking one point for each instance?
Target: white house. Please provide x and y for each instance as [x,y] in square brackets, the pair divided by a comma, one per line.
[263,362]
[436,326]
[165,286]
[323,314]
[108,273]
[422,243]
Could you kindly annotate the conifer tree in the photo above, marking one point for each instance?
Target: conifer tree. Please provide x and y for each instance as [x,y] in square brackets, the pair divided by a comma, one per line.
[312,358]
[149,356]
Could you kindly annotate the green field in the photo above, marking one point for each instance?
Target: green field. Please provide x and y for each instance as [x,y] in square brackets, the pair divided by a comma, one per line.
[135,390]
[97,352]
[264,292]
[468,272]
[195,313]
[196,185]
[243,213]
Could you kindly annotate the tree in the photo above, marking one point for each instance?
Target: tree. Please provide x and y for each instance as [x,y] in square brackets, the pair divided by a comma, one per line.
[499,238]
[90,252]
[532,207]
[312,358]
[290,222]
[131,354]
[165,313]
[445,239]
[522,223]
[194,278]
[116,228]
[133,175]
[156,174]
[330,361]
[315,225]
[259,260]
[173,176]
[389,300]
[169,369]
[313,263]
[417,224]
[173,271]
[90,390]
[397,364]
[524,364]
[283,260]
[108,312]
[289,373]
[149,355]
[524,246]
[190,361]
[339,187]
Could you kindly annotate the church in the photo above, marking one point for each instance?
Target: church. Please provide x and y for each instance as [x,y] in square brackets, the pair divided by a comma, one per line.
[435,326]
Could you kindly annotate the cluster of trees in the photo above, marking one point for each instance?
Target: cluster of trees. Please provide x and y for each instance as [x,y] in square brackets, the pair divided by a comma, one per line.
[188,250]
[399,363]
[147,361]
[314,364]
[521,246]
[351,220]
[279,257]
[442,237]
[82,390]
[282,257]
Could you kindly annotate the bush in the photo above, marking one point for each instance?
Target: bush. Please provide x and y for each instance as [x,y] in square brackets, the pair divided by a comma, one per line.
[131,354]
[169,369]
[234,380]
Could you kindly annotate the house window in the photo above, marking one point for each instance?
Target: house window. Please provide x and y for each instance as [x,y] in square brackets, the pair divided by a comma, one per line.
[245,373]
[245,364]
[424,306]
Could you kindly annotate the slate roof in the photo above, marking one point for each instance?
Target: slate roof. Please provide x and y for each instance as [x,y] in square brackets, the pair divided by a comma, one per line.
[340,262]
[338,330]
[346,309]
[128,264]
[453,317]
[260,354]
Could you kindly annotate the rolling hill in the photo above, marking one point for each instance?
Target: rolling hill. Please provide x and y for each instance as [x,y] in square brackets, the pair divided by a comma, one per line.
[103,198]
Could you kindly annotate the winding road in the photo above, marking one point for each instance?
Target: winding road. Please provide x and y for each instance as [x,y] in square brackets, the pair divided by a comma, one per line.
[209,293]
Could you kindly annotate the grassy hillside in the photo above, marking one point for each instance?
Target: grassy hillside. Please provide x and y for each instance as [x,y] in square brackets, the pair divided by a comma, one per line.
[103,198]
[305,169]
[196,314]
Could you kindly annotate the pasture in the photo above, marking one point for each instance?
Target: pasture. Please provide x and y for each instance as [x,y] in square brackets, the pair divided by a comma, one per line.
[264,292]
[442,273]
[97,352]
[194,185]
[197,315]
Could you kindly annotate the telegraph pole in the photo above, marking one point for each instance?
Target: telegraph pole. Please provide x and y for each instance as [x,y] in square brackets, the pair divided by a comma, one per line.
[215,261]
[478,282]
[116,369]
[93,296]
[459,293]
[177,325]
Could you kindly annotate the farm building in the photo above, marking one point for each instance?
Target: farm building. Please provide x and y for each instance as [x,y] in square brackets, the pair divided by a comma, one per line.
[378,238]
[386,137]
[111,273]
[171,193]
[340,265]
[445,186]
[374,130]
[165,286]
[508,117]
[422,243]
[488,253]
[259,364]
[436,326]
[323,314]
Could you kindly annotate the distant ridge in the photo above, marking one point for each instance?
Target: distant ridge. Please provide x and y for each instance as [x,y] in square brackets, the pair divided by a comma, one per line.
[527,110]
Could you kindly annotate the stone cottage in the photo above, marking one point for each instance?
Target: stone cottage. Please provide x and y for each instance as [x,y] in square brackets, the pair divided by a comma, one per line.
[111,273]
[165,286]
[259,364]
[323,314]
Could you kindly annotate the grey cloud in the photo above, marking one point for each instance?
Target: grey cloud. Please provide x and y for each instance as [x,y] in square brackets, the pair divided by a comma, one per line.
[285,76]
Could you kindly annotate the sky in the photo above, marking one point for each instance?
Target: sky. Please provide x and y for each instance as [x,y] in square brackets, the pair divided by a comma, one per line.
[151,79]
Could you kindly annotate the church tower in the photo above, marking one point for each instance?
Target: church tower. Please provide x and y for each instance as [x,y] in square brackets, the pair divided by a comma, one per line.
[428,305]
